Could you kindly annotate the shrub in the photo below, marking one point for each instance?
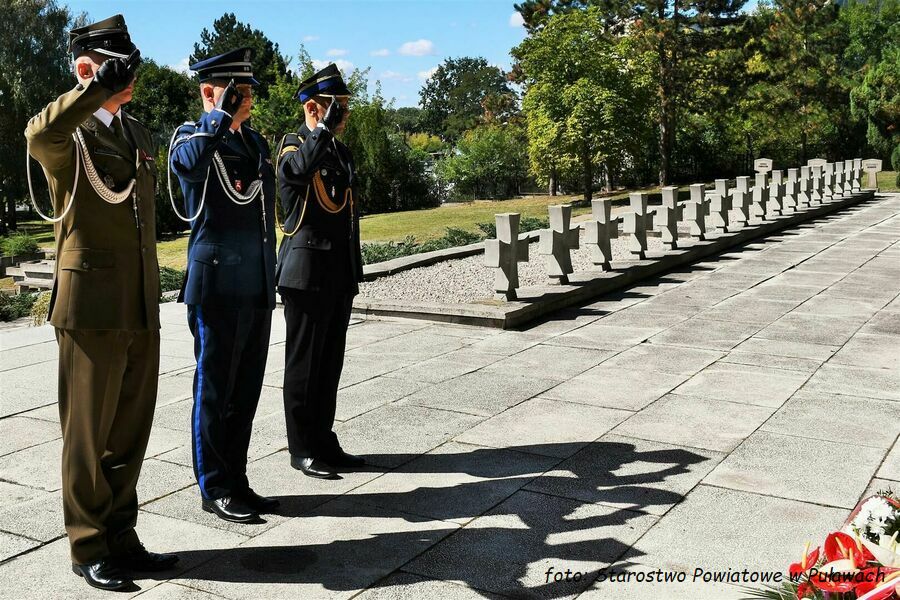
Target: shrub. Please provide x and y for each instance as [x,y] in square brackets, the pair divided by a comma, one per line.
[525,224]
[169,280]
[382,251]
[40,309]
[19,244]
[16,307]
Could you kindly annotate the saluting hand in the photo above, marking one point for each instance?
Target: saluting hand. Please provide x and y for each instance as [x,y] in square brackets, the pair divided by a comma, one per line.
[334,115]
[230,100]
[115,74]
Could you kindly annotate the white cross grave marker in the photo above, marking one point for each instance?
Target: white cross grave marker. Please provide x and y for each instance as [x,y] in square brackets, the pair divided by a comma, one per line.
[776,195]
[557,242]
[740,200]
[667,217]
[505,253]
[720,206]
[599,230]
[696,210]
[637,223]
[791,187]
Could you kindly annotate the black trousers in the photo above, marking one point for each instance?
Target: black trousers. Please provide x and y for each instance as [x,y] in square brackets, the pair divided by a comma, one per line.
[231,347]
[316,336]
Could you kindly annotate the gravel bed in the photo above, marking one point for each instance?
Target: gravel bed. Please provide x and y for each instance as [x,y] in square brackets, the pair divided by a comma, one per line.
[469,280]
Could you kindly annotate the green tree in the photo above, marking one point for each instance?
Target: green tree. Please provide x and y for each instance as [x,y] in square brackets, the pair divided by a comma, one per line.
[229,34]
[874,51]
[453,99]
[587,100]
[164,99]
[490,162]
[674,30]
[34,69]
[407,118]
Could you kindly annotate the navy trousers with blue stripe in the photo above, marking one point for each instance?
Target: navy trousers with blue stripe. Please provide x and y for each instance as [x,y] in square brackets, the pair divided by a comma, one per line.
[231,347]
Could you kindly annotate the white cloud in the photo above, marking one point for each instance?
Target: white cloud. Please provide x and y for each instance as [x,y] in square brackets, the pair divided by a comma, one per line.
[343,65]
[516,20]
[426,75]
[417,48]
[380,52]
[338,52]
[394,75]
[310,38]
[182,65]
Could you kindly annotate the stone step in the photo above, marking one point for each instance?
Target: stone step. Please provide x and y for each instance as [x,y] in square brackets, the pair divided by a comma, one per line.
[33,285]
[32,270]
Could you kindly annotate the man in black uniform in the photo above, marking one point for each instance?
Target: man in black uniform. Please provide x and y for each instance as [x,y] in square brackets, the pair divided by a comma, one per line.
[319,267]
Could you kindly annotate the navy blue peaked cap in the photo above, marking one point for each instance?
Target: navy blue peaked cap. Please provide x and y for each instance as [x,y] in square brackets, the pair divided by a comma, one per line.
[235,64]
[327,82]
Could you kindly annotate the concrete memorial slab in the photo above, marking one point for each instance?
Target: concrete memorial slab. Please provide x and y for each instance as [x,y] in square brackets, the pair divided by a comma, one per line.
[637,223]
[741,201]
[667,217]
[720,206]
[505,253]
[696,211]
[775,206]
[556,244]
[872,167]
[599,231]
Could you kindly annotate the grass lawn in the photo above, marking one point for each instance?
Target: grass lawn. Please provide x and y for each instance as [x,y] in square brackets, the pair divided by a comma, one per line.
[422,224]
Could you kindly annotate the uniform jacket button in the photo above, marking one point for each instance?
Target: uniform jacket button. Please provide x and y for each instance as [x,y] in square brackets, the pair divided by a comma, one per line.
[215,261]
[214,122]
[85,265]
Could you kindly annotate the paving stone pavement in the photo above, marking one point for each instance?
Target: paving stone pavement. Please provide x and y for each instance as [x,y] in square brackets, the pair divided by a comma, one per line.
[715,418]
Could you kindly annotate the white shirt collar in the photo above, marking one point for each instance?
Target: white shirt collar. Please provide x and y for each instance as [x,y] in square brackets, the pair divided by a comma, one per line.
[107,117]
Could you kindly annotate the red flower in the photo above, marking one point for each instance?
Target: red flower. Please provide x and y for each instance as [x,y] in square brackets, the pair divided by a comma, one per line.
[839,545]
[869,579]
[803,590]
[831,582]
[808,561]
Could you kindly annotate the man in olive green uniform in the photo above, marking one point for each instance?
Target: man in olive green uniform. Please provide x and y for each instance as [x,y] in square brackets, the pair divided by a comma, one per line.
[104,305]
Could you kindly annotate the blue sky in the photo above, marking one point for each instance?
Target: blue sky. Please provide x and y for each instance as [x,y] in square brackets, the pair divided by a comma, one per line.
[401,40]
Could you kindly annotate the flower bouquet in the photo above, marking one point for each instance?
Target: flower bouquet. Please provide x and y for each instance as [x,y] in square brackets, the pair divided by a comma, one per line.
[859,562]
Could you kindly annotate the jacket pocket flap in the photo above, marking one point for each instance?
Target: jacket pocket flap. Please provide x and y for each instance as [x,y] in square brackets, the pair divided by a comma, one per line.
[214,254]
[311,239]
[85,259]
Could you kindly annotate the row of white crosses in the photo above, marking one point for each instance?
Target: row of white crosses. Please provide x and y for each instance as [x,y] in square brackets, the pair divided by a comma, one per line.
[720,209]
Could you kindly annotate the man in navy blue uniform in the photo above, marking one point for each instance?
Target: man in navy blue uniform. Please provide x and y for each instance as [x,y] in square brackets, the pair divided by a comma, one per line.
[228,182]
[319,267]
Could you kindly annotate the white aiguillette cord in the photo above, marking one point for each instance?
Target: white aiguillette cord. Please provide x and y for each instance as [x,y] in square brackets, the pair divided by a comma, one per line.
[82,156]
[255,189]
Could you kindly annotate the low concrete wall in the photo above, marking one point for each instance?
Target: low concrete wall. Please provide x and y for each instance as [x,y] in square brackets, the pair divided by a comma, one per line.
[534,302]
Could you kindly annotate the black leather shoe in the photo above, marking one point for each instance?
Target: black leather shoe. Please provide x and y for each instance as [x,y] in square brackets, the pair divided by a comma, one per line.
[343,460]
[313,467]
[104,575]
[140,559]
[259,503]
[231,509]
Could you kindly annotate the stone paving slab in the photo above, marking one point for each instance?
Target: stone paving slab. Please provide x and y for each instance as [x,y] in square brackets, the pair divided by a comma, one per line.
[699,419]
[628,473]
[509,550]
[788,466]
[701,422]
[544,426]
